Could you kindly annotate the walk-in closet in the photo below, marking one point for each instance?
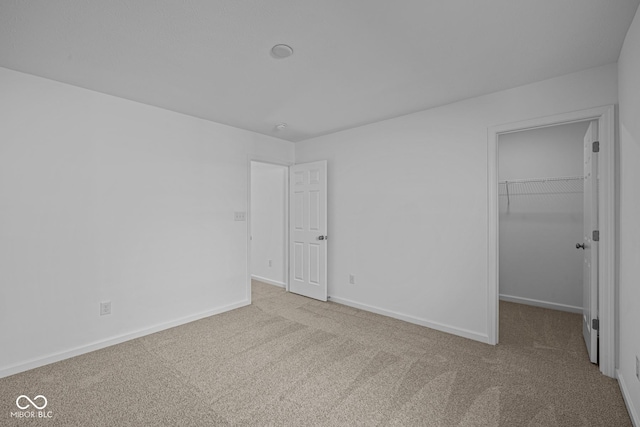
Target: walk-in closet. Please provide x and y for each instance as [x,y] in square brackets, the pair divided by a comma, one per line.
[541,226]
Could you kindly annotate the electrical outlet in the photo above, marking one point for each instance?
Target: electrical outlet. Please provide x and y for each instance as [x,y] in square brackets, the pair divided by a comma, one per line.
[352,279]
[105,308]
[270,263]
[637,368]
[239,216]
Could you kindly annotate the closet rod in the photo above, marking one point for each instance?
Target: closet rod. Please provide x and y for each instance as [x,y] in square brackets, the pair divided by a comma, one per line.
[559,178]
[536,180]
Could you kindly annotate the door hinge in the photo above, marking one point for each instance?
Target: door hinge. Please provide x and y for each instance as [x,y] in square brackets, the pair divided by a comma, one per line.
[596,146]
[596,236]
[595,324]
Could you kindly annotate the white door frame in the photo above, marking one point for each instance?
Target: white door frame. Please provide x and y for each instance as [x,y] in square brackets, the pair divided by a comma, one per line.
[261,159]
[606,211]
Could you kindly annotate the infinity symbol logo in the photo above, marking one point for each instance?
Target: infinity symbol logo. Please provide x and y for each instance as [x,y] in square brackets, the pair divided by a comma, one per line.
[22,396]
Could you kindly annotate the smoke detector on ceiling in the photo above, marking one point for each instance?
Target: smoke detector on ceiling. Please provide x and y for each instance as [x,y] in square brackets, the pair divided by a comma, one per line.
[281,51]
[281,126]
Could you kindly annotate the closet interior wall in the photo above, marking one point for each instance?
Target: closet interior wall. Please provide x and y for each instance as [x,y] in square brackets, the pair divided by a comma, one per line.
[541,205]
[268,222]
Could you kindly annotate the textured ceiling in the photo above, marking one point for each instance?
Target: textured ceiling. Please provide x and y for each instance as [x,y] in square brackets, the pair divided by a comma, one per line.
[354,62]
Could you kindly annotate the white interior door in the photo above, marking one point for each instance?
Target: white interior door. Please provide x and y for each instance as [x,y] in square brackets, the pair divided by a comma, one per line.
[308,229]
[589,245]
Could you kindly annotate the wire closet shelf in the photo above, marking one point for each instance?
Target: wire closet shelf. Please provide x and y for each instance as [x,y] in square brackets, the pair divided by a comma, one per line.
[540,186]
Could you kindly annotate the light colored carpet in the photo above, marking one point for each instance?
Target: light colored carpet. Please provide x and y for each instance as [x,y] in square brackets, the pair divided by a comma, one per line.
[290,361]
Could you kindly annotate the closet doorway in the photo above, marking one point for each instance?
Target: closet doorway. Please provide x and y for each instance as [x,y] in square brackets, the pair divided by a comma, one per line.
[545,210]
[268,223]
[541,196]
[539,173]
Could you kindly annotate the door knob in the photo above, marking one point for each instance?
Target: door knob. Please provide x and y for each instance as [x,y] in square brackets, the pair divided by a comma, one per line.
[322,237]
[578,246]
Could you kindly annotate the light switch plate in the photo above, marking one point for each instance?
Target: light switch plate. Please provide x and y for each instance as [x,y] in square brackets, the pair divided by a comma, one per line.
[239,216]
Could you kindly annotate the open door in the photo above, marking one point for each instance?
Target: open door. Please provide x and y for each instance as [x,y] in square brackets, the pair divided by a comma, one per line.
[590,243]
[308,230]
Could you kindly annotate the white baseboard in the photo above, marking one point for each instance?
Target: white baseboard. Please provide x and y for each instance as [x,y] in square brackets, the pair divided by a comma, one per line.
[415,320]
[269,281]
[633,411]
[543,304]
[97,345]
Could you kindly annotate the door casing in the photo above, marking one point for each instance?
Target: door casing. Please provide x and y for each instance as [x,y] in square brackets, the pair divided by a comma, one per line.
[605,116]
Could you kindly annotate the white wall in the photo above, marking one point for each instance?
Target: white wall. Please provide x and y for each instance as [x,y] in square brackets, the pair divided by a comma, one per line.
[629,255]
[539,263]
[408,201]
[268,204]
[106,199]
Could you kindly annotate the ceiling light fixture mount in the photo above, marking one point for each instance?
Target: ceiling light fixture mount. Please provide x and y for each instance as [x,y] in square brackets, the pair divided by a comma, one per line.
[281,126]
[281,51]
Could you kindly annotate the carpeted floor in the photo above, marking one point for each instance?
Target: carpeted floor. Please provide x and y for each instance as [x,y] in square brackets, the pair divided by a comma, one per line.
[290,361]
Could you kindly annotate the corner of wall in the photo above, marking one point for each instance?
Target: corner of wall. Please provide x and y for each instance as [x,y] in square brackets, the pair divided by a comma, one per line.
[628,233]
